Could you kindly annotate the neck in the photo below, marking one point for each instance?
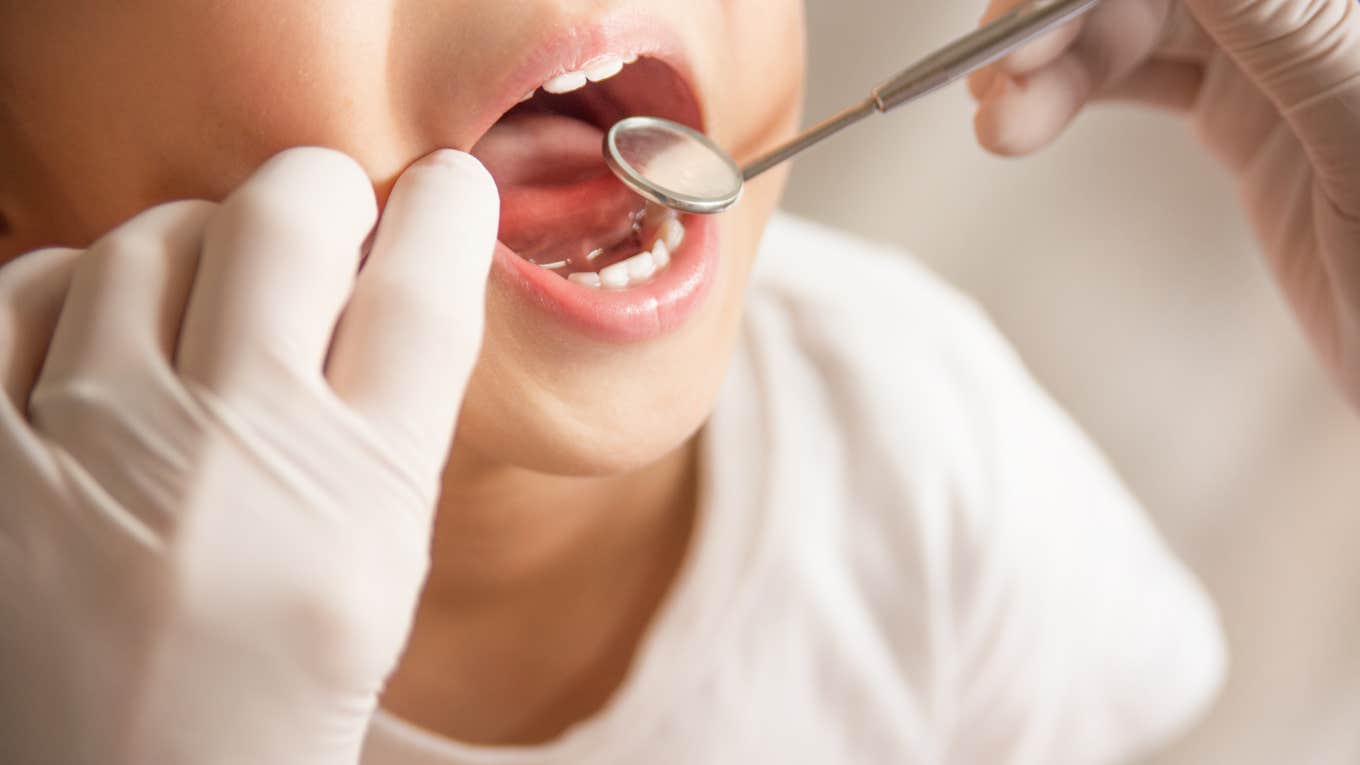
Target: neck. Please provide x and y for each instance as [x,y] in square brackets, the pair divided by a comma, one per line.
[539,591]
[501,529]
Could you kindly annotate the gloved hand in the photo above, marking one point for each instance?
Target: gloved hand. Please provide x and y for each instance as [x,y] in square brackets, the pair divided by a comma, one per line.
[1273,88]
[220,450]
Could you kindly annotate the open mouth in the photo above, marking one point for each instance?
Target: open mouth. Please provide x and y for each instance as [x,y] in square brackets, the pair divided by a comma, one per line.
[561,207]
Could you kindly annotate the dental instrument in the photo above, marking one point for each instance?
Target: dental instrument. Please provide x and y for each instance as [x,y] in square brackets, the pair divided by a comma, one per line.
[681,168]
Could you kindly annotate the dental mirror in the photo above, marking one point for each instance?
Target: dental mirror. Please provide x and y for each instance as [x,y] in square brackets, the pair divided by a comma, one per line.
[672,165]
[681,168]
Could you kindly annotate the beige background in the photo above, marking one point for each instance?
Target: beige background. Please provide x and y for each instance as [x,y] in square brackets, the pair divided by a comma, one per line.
[1120,267]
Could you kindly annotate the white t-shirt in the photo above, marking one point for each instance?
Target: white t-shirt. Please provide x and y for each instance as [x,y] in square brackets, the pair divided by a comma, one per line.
[905,553]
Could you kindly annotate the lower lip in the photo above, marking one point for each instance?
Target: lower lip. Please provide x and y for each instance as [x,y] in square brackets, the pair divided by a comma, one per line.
[634,314]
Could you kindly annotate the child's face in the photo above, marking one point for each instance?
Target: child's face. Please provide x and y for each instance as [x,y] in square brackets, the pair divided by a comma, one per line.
[108,108]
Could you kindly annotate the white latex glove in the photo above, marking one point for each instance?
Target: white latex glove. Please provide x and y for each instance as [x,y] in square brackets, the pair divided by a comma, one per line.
[1273,87]
[220,451]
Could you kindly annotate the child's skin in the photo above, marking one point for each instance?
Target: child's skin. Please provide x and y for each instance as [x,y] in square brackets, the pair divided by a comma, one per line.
[569,494]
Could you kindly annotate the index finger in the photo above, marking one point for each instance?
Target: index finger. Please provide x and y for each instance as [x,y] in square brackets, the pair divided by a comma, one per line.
[1034,54]
[33,289]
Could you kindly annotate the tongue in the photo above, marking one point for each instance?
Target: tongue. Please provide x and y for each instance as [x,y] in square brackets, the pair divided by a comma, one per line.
[559,202]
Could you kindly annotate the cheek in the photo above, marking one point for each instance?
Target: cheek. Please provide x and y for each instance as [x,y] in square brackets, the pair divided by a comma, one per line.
[763,72]
[302,74]
[178,100]
[761,107]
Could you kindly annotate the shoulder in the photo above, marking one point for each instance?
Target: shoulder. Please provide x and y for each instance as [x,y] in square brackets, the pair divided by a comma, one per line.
[865,309]
[964,503]
[905,369]
[852,283]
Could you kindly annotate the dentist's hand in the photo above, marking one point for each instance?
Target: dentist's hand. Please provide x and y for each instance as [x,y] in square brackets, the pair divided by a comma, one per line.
[220,448]
[1273,88]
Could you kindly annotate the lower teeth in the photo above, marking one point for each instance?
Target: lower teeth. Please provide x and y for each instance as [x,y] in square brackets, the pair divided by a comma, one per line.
[634,270]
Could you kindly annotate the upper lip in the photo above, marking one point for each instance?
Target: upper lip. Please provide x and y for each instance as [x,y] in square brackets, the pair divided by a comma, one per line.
[574,44]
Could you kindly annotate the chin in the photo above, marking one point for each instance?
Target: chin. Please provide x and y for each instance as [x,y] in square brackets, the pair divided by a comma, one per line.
[545,434]
[546,399]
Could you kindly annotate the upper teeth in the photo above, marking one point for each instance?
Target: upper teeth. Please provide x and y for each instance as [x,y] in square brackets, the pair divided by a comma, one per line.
[564,83]
[597,69]
[603,69]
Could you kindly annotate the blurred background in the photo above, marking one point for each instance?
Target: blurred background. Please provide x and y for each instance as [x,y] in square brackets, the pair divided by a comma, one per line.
[1120,267]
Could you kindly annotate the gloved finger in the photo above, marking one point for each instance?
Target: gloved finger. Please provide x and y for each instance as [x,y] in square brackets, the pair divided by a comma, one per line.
[411,333]
[1018,117]
[1234,118]
[980,81]
[1022,113]
[1033,55]
[279,261]
[1280,213]
[128,294]
[102,395]
[33,288]
[1183,38]
[1042,50]
[1173,85]
[1296,52]
[1306,58]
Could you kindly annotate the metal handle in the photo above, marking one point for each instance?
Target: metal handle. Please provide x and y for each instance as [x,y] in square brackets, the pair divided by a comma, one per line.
[827,127]
[957,59]
[977,49]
